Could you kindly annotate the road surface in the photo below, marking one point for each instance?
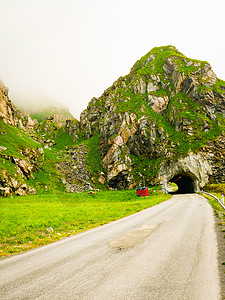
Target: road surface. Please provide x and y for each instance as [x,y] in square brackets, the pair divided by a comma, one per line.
[165,252]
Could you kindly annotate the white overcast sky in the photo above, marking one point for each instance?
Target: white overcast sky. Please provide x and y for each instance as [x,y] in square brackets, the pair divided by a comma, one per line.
[72,50]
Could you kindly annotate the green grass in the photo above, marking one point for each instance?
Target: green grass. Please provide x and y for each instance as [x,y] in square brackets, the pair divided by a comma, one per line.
[217,189]
[58,134]
[62,139]
[219,86]
[24,220]
[40,117]
[218,210]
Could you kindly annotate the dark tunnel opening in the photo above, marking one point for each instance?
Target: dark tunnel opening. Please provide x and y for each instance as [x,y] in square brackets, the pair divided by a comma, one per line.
[186,184]
[120,181]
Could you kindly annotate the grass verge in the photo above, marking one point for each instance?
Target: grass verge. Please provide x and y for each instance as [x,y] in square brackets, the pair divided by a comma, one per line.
[31,221]
[218,210]
[220,224]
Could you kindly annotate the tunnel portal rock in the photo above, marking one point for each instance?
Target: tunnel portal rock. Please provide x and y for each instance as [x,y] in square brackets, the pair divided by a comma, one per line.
[190,173]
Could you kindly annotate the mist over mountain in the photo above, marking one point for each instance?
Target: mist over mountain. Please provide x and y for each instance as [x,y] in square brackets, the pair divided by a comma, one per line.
[40,106]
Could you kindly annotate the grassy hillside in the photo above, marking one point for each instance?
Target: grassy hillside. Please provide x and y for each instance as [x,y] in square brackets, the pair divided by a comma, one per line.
[54,142]
[14,139]
[62,113]
[44,177]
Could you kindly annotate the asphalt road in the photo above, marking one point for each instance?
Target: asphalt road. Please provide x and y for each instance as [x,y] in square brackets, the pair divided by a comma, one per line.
[165,252]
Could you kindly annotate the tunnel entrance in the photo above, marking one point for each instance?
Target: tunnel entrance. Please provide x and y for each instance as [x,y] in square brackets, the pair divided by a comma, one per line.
[186,184]
[120,181]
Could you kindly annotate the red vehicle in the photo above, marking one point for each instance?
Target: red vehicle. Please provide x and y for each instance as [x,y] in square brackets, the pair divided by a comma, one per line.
[142,192]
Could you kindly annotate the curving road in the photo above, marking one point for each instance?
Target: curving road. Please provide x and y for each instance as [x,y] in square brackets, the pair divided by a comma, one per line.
[165,252]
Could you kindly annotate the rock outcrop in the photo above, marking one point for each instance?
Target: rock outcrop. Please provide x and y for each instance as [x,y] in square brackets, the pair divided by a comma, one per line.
[9,185]
[9,114]
[73,128]
[73,168]
[24,168]
[7,110]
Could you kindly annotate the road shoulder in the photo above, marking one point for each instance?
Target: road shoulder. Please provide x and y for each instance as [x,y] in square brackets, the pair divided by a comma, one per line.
[220,233]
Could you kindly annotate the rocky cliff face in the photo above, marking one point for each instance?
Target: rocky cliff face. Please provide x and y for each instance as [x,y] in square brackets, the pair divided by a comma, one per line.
[7,110]
[165,118]
[9,114]
[15,184]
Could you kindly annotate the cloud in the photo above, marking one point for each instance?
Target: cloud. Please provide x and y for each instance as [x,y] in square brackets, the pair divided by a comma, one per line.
[73,50]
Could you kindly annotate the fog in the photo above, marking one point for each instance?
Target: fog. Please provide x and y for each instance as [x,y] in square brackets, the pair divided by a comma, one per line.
[70,51]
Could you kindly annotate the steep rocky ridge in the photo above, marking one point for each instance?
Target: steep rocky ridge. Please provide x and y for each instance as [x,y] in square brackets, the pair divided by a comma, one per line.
[7,110]
[166,114]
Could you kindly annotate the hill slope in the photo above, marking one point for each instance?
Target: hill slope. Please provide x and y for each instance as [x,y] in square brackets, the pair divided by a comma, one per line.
[31,152]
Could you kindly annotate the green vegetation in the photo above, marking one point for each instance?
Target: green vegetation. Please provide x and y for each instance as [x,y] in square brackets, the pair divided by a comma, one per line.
[215,189]
[45,178]
[145,167]
[31,221]
[172,186]
[203,129]
[219,86]
[94,161]
[40,117]
[62,139]
[218,210]
[155,66]
[8,166]
[132,104]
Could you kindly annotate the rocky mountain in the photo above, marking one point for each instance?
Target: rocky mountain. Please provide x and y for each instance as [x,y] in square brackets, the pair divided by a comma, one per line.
[163,122]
